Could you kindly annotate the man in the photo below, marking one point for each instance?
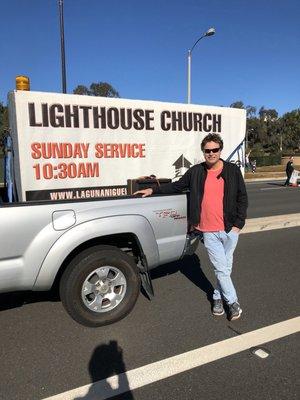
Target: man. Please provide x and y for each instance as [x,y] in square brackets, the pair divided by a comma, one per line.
[217,207]
[289,170]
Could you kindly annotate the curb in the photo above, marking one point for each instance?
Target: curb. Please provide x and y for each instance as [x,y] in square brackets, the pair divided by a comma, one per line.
[269,223]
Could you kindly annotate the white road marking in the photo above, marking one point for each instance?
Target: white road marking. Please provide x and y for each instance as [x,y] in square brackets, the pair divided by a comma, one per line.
[270,223]
[163,369]
[261,353]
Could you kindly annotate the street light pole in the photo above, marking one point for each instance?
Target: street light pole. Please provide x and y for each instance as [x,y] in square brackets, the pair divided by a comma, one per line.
[62,46]
[209,32]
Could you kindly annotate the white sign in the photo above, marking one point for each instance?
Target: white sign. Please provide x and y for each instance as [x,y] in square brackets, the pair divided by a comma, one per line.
[72,146]
[294,177]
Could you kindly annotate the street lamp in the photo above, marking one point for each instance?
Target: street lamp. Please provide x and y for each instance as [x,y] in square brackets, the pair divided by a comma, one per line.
[209,32]
[62,45]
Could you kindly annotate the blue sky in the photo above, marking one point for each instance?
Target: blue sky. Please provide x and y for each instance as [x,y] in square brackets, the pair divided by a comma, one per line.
[140,47]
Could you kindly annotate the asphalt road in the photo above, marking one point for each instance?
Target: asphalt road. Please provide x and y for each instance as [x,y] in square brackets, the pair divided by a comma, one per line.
[272,198]
[43,352]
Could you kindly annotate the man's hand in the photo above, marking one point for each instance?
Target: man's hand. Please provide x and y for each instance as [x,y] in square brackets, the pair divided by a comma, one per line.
[145,192]
[235,229]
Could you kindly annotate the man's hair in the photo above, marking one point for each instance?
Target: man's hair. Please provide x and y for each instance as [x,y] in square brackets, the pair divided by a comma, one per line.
[212,137]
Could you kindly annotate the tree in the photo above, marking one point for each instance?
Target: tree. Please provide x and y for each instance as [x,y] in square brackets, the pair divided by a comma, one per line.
[251,111]
[272,114]
[80,89]
[3,123]
[290,130]
[102,89]
[266,130]
[253,130]
[237,104]
[268,114]
[3,118]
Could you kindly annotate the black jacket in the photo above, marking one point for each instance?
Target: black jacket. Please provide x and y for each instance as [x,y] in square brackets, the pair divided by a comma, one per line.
[235,200]
[289,168]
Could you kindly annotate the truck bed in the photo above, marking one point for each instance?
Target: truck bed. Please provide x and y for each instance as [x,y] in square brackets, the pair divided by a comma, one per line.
[36,238]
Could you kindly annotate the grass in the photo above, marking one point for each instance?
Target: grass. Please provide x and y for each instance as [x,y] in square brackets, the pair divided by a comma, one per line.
[271,168]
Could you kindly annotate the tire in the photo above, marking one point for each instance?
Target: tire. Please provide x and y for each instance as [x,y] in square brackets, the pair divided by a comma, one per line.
[89,296]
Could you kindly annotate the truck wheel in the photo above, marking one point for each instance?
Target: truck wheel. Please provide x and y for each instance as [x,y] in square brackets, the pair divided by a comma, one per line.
[100,286]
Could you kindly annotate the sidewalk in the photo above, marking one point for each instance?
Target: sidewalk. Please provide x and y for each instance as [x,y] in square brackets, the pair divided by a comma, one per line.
[264,176]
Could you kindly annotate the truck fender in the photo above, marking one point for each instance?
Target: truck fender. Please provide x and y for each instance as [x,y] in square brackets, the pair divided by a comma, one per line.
[75,236]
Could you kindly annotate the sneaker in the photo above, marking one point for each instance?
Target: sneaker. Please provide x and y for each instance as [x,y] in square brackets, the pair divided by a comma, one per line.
[218,308]
[235,311]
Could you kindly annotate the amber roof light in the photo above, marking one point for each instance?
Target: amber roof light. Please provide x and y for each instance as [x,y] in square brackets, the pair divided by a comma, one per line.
[22,82]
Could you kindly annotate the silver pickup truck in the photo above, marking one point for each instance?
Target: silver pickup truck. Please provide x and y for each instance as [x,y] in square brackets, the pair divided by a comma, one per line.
[99,252]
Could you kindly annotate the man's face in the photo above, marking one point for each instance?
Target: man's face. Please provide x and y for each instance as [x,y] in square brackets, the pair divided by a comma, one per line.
[212,153]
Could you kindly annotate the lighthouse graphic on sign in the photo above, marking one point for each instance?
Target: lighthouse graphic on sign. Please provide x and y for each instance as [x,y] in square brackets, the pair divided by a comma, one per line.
[181,166]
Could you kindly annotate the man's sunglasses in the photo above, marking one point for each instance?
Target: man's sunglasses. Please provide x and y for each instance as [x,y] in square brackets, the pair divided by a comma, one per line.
[208,151]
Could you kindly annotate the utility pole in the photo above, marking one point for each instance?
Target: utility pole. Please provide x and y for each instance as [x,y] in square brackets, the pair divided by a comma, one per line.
[62,45]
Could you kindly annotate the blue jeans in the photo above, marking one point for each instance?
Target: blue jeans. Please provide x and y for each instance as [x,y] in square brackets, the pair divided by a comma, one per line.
[220,247]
